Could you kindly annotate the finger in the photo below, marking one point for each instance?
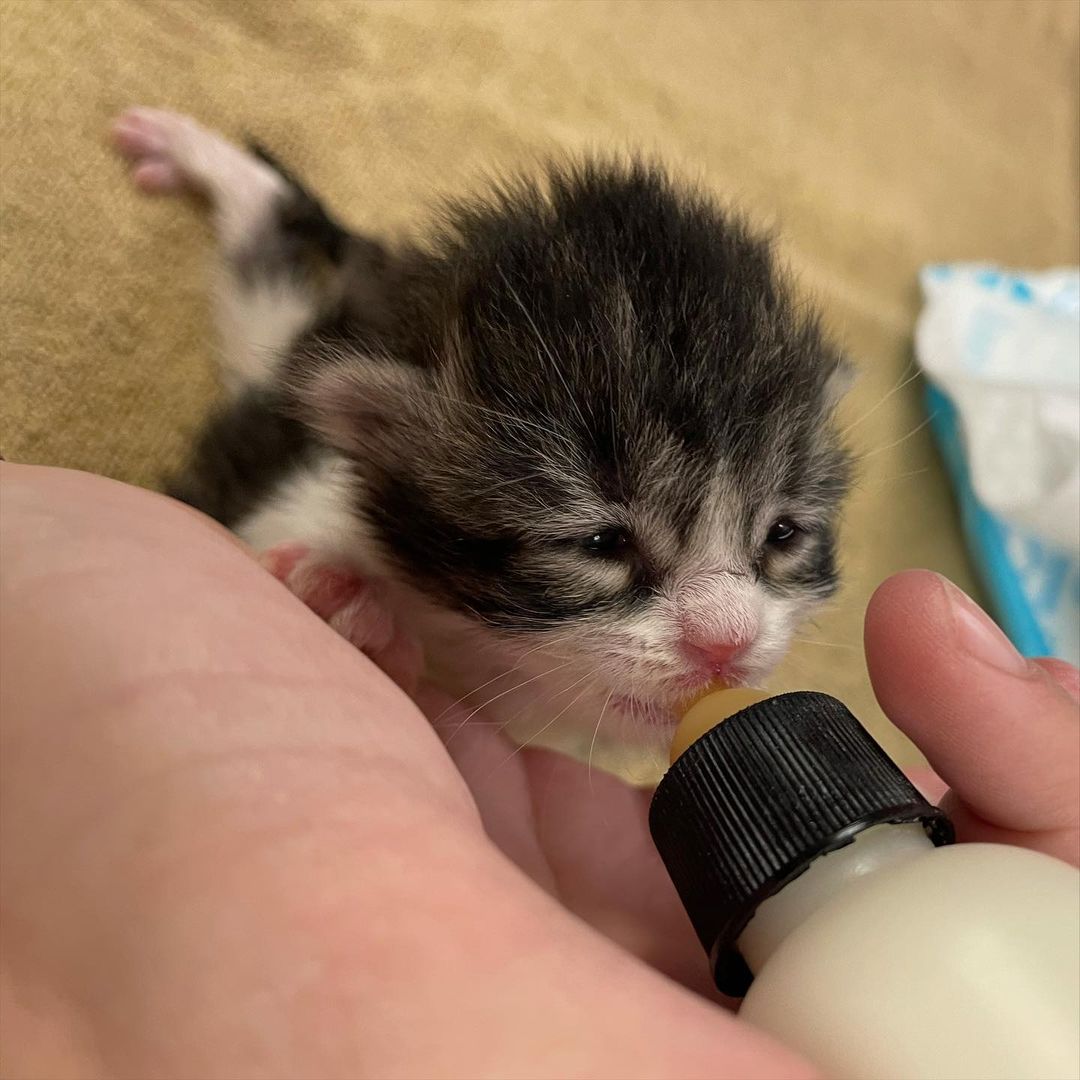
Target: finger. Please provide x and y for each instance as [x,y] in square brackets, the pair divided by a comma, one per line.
[496,776]
[1065,675]
[997,728]
[971,828]
[595,831]
[580,833]
[930,785]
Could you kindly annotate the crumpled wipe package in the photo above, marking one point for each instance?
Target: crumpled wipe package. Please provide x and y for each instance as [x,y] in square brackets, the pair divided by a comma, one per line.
[1001,352]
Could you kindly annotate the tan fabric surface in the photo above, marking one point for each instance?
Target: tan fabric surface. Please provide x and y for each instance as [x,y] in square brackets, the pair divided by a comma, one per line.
[878,136]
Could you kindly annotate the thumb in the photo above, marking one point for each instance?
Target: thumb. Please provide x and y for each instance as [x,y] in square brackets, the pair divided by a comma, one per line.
[1002,731]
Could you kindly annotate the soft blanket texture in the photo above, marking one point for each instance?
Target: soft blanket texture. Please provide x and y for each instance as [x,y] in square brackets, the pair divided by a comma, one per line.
[876,136]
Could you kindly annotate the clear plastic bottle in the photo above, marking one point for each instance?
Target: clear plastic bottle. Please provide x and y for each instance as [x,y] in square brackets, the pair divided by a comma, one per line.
[826,891]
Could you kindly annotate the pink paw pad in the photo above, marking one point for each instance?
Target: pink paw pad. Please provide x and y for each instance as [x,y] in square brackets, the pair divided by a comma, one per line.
[325,588]
[143,137]
[350,604]
[282,560]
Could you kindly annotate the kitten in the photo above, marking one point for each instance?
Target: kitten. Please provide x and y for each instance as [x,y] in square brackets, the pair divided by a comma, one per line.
[581,438]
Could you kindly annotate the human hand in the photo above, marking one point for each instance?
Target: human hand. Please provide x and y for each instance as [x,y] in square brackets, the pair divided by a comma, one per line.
[232,848]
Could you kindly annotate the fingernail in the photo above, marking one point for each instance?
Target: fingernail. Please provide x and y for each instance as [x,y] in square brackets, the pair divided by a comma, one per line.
[979,635]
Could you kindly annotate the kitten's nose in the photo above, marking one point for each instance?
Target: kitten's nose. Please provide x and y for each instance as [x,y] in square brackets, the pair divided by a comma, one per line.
[715,656]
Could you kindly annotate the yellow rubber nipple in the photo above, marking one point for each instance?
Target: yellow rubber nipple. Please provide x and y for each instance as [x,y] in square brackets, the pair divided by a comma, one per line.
[711,708]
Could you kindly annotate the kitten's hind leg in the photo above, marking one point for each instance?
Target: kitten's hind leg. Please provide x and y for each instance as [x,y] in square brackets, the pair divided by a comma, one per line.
[284,261]
[171,153]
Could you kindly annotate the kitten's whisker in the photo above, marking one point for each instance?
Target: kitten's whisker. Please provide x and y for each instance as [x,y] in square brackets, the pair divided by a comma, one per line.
[495,697]
[547,700]
[887,480]
[903,438]
[874,408]
[827,644]
[496,678]
[502,694]
[596,731]
[534,737]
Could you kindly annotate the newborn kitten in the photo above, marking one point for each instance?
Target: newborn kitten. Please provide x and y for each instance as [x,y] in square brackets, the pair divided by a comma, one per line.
[579,443]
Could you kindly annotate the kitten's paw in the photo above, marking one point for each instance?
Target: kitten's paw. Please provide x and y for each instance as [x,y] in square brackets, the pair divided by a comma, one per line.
[352,605]
[170,152]
[161,147]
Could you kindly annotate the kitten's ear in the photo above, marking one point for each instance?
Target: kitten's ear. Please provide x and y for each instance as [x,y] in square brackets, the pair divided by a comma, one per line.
[359,403]
[838,382]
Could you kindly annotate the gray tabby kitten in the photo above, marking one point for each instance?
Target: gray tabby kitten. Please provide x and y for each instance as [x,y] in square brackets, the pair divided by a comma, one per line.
[578,444]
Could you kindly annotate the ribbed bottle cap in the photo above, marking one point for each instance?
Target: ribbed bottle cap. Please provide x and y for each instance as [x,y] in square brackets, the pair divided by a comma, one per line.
[752,803]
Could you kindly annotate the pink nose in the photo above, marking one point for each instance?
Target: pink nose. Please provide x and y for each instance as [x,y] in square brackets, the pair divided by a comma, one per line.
[714,656]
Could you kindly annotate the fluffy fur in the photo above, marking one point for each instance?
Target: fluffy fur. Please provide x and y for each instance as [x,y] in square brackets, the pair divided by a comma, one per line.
[584,430]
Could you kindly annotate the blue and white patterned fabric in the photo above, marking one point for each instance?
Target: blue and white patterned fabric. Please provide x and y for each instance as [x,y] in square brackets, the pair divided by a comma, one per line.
[1001,351]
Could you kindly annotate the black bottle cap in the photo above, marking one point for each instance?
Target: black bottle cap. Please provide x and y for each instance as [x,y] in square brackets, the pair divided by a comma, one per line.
[750,805]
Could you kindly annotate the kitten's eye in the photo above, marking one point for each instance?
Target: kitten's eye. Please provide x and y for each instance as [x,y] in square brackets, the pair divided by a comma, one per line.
[607,543]
[782,532]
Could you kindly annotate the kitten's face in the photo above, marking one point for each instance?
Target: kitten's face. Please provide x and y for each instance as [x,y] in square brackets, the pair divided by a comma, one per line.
[622,459]
[654,556]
